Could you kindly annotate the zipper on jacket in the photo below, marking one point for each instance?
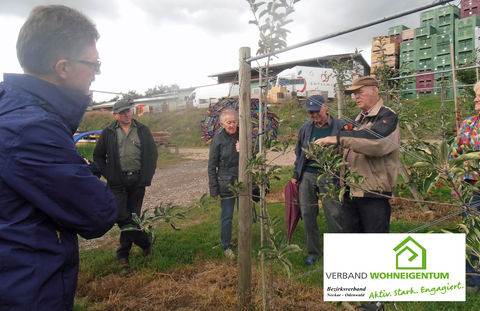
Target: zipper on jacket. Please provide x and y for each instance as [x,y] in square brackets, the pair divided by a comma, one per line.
[59,237]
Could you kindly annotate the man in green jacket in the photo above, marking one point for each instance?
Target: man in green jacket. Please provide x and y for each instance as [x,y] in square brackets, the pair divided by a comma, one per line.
[126,155]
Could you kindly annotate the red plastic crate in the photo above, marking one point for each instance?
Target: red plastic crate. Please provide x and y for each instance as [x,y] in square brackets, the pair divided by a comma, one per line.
[425,82]
[469,12]
[469,8]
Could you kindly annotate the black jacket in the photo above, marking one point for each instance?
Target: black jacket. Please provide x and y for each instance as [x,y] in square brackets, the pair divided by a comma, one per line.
[107,158]
[222,164]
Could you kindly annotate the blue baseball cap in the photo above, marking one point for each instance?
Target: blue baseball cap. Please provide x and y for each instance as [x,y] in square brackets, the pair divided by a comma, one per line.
[315,103]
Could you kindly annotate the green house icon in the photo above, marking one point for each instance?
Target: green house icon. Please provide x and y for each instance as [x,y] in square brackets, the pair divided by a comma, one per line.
[410,255]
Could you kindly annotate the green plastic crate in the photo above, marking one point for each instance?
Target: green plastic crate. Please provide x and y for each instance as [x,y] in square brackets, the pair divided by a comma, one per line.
[464,33]
[428,53]
[470,21]
[425,64]
[424,42]
[442,60]
[447,15]
[428,18]
[464,57]
[464,45]
[446,29]
[425,31]
[396,30]
[408,57]
[407,47]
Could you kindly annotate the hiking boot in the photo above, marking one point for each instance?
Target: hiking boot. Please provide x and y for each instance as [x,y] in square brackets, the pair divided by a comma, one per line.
[124,263]
[148,251]
[473,289]
[229,253]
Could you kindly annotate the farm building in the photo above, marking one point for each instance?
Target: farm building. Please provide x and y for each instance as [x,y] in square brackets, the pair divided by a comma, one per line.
[165,102]
[321,61]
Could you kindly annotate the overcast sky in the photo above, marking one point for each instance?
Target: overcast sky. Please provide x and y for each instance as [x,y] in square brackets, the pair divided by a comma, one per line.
[145,43]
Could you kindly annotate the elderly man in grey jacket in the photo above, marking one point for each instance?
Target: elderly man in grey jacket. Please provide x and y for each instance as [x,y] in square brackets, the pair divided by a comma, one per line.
[223,171]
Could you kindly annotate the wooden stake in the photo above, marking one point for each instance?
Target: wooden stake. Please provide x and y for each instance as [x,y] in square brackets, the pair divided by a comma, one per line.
[245,203]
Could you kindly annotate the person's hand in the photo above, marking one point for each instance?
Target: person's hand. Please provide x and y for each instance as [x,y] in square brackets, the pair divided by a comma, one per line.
[294,181]
[237,146]
[329,140]
[86,161]
[454,194]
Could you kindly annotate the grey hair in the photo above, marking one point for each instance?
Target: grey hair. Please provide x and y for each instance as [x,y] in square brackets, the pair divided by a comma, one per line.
[476,87]
[228,112]
[52,33]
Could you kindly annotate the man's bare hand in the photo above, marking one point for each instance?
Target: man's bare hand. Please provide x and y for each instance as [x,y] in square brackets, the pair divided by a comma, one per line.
[329,140]
[294,181]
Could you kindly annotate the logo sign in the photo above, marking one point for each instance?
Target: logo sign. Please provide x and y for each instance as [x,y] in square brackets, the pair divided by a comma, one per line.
[394,267]
[411,255]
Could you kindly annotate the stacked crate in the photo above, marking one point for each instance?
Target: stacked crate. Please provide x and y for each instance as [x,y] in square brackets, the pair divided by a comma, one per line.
[428,18]
[408,66]
[469,8]
[425,83]
[446,17]
[408,34]
[384,46]
[465,39]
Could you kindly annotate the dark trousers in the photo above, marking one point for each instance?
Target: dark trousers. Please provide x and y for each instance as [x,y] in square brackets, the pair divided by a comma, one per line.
[129,198]
[365,215]
[473,280]
[308,196]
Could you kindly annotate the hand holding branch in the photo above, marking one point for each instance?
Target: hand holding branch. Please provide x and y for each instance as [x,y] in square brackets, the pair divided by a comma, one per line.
[329,140]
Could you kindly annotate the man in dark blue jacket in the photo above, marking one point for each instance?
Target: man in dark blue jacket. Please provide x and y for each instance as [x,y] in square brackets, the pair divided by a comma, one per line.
[47,193]
[321,124]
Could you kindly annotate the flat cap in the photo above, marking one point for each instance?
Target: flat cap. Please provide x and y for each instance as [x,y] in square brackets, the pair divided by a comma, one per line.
[361,82]
[122,105]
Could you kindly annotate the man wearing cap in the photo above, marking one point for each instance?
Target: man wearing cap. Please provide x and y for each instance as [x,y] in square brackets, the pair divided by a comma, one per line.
[126,156]
[371,148]
[320,125]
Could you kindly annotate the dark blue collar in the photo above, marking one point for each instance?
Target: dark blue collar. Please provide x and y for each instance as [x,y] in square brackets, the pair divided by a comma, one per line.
[68,104]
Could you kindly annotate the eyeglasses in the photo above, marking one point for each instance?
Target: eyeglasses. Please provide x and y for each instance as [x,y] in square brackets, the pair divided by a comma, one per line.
[95,65]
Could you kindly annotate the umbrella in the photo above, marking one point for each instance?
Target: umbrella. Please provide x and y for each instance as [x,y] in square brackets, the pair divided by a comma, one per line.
[211,122]
[292,208]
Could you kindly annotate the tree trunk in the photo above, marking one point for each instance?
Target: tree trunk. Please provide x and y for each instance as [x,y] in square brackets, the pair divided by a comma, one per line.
[340,100]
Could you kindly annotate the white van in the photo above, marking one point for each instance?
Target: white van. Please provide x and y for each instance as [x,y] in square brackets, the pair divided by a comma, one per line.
[203,97]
